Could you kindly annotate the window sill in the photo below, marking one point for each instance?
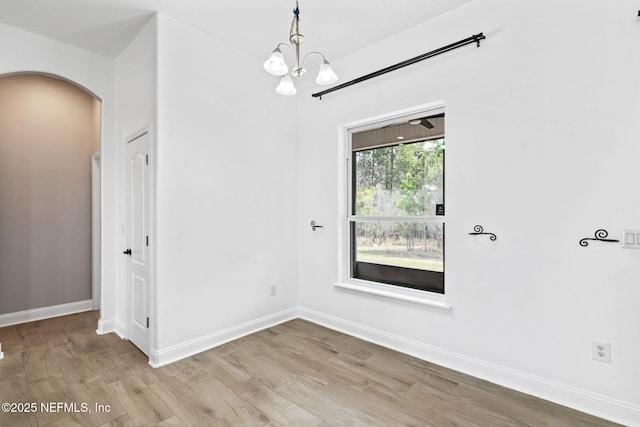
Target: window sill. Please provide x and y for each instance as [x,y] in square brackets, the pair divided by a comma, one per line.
[428,299]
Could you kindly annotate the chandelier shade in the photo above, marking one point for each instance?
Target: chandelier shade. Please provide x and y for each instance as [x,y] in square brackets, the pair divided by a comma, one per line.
[326,75]
[277,65]
[286,86]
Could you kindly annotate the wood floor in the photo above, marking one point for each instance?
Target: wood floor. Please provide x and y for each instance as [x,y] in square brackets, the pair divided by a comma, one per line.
[297,374]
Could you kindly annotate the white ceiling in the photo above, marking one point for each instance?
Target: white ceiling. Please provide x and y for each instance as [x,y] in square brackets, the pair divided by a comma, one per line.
[335,27]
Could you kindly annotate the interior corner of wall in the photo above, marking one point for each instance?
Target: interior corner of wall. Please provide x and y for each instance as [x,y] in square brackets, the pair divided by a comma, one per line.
[120,329]
[105,326]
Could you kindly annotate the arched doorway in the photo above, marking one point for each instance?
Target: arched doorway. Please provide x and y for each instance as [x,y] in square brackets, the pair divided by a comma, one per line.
[49,131]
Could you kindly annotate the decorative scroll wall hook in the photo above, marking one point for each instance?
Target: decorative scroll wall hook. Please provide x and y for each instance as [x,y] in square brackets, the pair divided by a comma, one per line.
[600,236]
[477,230]
[314,226]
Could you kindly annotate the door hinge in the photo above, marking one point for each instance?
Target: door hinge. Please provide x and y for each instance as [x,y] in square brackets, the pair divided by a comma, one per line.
[147,240]
[147,159]
[147,322]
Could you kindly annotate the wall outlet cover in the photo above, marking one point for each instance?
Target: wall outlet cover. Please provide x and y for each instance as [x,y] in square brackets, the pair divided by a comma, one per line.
[601,351]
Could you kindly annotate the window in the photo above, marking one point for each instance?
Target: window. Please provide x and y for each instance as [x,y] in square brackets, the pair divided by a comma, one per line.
[395,218]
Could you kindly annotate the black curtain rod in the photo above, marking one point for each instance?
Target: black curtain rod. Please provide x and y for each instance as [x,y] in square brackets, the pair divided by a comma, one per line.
[473,39]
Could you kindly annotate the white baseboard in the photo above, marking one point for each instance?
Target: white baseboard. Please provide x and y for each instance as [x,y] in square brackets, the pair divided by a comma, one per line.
[584,401]
[121,329]
[45,313]
[189,348]
[109,326]
[105,326]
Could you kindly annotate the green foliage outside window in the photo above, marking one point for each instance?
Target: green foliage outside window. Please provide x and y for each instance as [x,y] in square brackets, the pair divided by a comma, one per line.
[400,180]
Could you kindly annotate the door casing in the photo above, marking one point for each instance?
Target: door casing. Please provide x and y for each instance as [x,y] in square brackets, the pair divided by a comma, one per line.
[96,231]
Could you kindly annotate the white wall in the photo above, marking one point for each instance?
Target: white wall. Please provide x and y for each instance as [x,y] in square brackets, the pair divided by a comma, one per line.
[227,192]
[541,125]
[136,87]
[29,52]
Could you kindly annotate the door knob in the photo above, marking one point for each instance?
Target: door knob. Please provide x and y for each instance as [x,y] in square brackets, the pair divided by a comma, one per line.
[127,252]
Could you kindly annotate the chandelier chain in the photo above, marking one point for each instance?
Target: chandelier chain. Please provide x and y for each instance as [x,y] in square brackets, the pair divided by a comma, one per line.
[295,29]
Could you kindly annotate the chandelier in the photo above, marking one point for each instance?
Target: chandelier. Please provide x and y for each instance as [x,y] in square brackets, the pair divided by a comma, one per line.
[276,65]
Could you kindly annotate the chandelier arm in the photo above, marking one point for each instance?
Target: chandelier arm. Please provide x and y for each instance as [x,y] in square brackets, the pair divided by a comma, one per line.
[311,53]
[293,52]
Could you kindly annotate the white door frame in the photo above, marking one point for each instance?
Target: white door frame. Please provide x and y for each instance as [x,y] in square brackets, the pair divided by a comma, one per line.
[96,230]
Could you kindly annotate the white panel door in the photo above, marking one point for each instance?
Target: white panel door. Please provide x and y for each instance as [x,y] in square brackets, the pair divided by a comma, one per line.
[138,240]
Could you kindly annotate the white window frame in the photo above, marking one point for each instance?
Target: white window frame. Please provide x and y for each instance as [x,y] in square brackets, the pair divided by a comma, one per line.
[345,281]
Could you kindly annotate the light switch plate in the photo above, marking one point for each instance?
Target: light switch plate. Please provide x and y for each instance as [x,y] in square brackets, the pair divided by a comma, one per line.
[630,239]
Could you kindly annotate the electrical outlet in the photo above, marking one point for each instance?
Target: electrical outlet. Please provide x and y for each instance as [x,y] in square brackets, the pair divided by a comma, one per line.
[601,351]
[274,290]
